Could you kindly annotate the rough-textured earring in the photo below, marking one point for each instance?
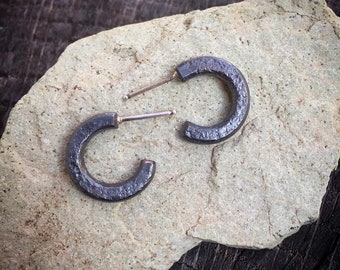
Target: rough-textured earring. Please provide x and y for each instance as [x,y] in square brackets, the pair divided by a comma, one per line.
[83,179]
[239,93]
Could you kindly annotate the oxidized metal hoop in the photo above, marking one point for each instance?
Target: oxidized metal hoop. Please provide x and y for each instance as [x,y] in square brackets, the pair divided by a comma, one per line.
[239,93]
[87,183]
[236,84]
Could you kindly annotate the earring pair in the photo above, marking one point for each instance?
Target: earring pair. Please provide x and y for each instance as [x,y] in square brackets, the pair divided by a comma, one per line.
[217,67]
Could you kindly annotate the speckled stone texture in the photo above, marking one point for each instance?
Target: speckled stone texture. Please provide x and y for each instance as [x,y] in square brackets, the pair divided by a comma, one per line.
[252,190]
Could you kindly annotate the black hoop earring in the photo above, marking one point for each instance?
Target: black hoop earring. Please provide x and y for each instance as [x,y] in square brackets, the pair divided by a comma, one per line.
[83,179]
[237,86]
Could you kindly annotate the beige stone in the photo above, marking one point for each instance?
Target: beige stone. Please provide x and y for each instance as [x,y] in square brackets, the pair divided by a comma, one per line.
[252,190]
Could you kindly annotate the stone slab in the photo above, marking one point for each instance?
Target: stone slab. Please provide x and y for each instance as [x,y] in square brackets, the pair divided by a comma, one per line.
[251,191]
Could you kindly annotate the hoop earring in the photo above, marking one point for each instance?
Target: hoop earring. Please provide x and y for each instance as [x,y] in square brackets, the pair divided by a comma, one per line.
[235,82]
[82,178]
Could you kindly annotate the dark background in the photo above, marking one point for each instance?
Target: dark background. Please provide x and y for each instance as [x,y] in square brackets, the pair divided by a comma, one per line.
[32,36]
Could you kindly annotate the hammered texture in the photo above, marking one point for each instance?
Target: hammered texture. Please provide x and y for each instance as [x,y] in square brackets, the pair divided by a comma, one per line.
[239,92]
[87,183]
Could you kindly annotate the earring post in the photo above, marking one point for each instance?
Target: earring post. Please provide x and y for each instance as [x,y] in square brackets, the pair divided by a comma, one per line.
[145,116]
[147,88]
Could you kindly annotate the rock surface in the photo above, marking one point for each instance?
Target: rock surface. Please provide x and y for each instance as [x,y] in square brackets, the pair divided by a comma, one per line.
[252,190]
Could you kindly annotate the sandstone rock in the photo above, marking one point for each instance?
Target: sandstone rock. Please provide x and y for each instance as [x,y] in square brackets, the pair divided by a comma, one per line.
[252,190]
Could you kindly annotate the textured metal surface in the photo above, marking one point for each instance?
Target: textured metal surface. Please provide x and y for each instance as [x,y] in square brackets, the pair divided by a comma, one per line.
[87,183]
[239,93]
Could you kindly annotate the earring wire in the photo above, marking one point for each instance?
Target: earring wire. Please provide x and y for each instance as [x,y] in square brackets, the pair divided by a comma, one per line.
[147,88]
[145,116]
